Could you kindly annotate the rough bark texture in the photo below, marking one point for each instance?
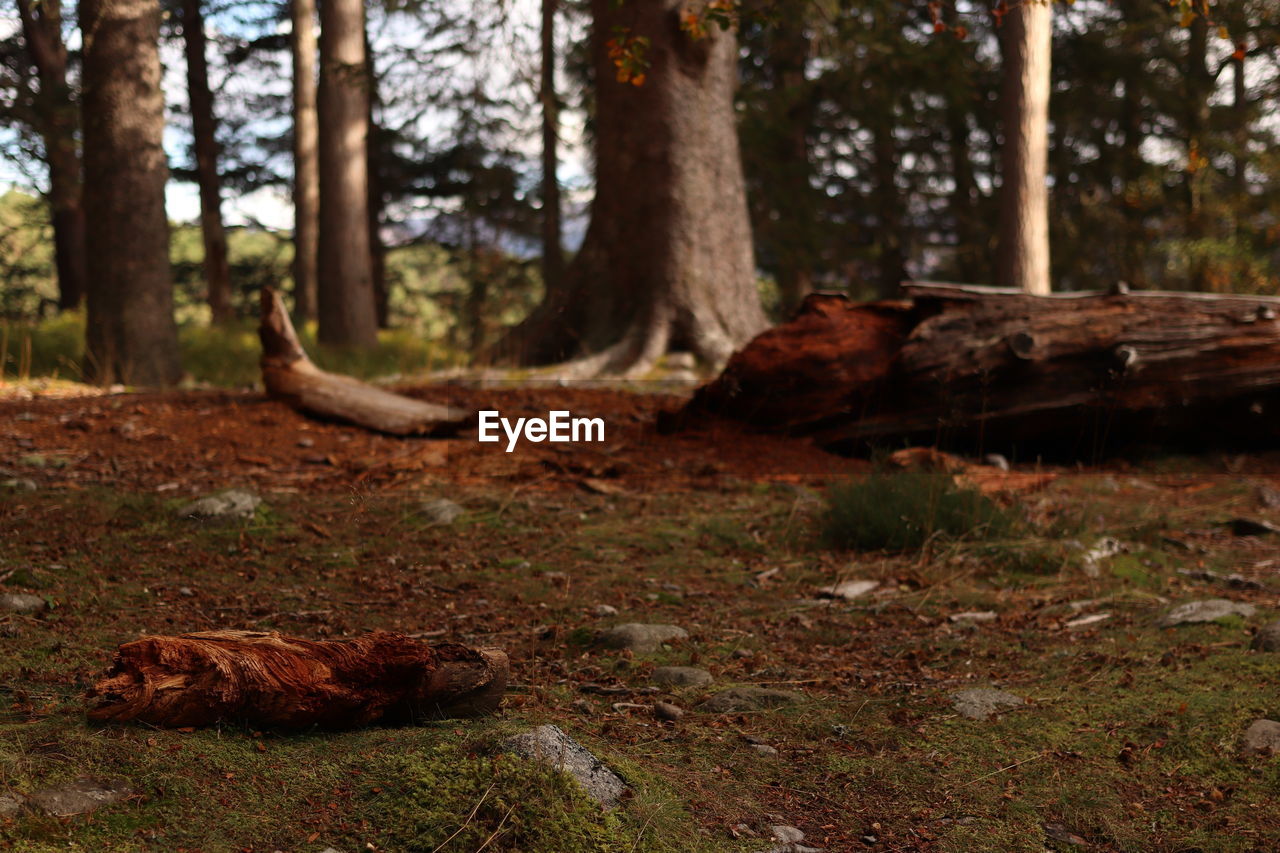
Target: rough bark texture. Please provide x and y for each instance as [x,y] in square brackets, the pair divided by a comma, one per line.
[59,121]
[1200,83]
[131,335]
[217,270]
[1070,375]
[346,299]
[552,250]
[667,260]
[269,680]
[306,162]
[288,374]
[1022,253]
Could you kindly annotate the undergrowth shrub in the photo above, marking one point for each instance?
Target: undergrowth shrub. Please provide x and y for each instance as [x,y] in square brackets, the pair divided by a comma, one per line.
[901,511]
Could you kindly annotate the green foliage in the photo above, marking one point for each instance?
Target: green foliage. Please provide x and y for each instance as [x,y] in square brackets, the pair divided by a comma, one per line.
[904,511]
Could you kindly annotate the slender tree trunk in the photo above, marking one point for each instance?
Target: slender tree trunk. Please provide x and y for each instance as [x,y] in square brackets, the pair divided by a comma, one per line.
[131,335]
[888,205]
[970,261]
[1240,160]
[1022,257]
[1199,87]
[793,234]
[552,252]
[306,164]
[346,300]
[59,124]
[667,260]
[1132,248]
[217,271]
[377,251]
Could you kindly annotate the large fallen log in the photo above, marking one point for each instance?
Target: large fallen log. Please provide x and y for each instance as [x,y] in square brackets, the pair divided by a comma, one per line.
[272,681]
[1069,375]
[290,375]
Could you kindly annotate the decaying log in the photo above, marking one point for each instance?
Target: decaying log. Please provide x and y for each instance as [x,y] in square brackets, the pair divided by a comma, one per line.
[272,681]
[290,375]
[1071,375]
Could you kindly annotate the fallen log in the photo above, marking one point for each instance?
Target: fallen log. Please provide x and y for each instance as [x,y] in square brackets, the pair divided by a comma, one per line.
[268,680]
[1069,375]
[288,374]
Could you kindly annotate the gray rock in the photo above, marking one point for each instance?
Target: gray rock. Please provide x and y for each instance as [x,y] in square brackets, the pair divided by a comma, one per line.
[228,505]
[1262,736]
[996,460]
[9,806]
[22,602]
[605,610]
[762,749]
[749,699]
[21,484]
[440,511]
[667,711]
[552,747]
[848,590]
[1268,638]
[1208,610]
[80,797]
[681,676]
[641,638]
[981,703]
[787,834]
[973,616]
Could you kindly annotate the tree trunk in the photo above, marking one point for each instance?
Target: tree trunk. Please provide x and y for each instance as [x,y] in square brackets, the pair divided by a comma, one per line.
[1069,376]
[552,249]
[268,680]
[1199,88]
[374,152]
[131,335]
[290,376]
[667,260]
[1022,255]
[306,165]
[971,247]
[59,126]
[217,271]
[346,300]
[893,270]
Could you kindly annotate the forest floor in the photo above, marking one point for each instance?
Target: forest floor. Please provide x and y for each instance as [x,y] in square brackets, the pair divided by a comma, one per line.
[1129,739]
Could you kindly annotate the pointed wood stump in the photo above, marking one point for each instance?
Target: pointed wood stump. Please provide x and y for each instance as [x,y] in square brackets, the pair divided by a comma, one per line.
[269,680]
[289,375]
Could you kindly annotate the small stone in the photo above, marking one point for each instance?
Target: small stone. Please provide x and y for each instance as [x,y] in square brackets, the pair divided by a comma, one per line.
[681,676]
[22,602]
[641,638]
[787,834]
[550,746]
[440,511]
[1208,610]
[749,699]
[9,806]
[981,703]
[667,711]
[742,654]
[80,797]
[1262,737]
[1102,550]
[1269,497]
[230,504]
[1268,638]
[973,616]
[21,484]
[306,442]
[762,749]
[605,610]
[186,592]
[996,460]
[848,590]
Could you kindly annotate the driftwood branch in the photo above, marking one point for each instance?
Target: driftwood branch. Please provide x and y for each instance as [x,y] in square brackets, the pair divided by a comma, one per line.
[290,375]
[269,680]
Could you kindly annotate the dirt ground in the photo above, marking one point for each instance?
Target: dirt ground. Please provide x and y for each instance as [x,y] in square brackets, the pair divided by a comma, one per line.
[1130,738]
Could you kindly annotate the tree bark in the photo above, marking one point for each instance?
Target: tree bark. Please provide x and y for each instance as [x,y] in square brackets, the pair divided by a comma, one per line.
[1069,376]
[288,374]
[667,260]
[346,300]
[374,153]
[59,125]
[266,679]
[971,261]
[1022,253]
[552,246]
[131,335]
[1199,87]
[217,270]
[889,236]
[306,164]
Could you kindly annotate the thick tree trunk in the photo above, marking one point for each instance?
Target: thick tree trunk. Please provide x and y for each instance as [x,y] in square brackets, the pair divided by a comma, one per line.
[667,260]
[346,300]
[269,680]
[131,335]
[889,237]
[1067,376]
[217,270]
[1022,253]
[552,248]
[306,163]
[59,125]
[288,374]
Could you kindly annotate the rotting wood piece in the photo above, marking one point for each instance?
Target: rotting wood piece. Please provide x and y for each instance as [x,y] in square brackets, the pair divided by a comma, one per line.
[273,681]
[290,375]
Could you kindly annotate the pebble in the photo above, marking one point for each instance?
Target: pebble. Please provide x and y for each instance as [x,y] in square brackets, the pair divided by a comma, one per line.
[550,746]
[440,511]
[848,590]
[229,504]
[22,602]
[1208,610]
[1268,638]
[681,676]
[1262,737]
[762,749]
[667,711]
[641,638]
[604,610]
[749,699]
[981,703]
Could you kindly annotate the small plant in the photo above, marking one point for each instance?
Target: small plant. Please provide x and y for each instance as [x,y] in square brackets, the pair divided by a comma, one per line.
[903,511]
